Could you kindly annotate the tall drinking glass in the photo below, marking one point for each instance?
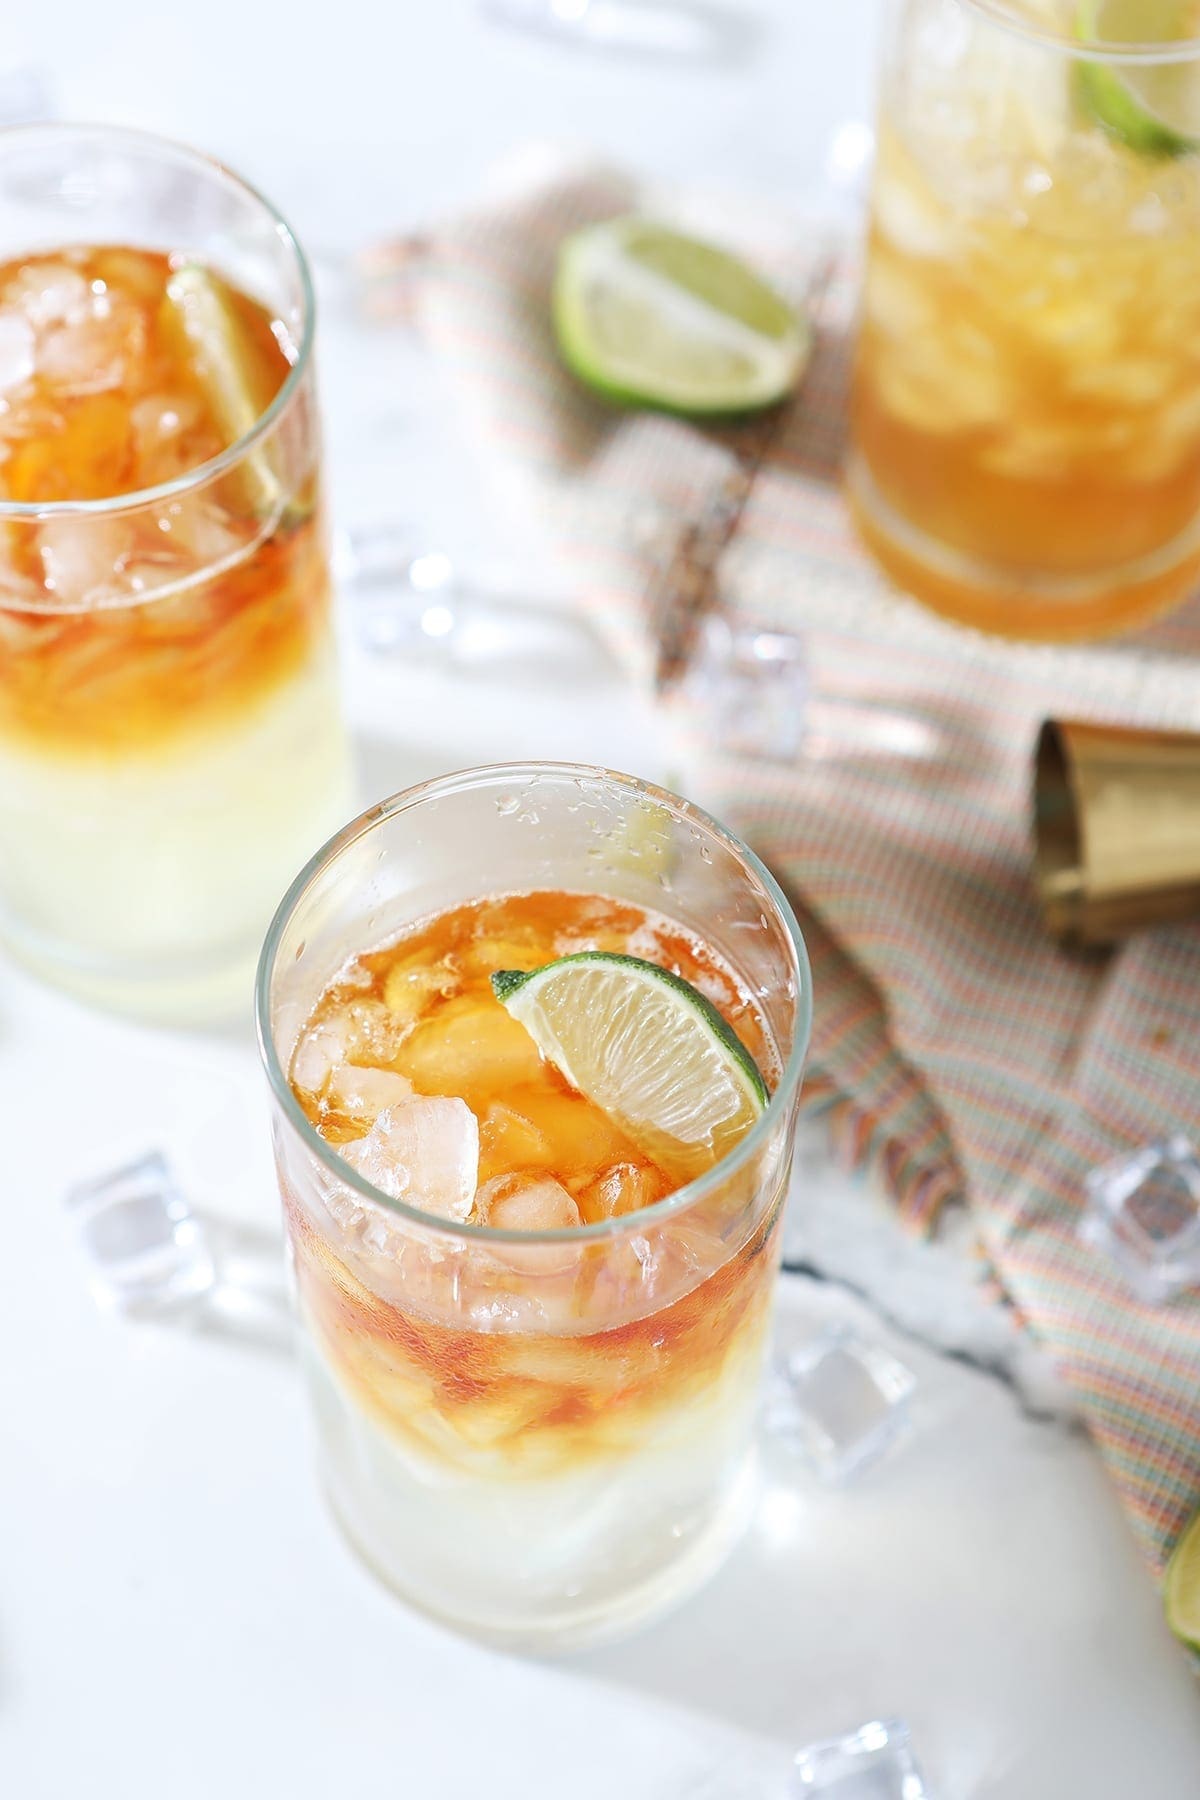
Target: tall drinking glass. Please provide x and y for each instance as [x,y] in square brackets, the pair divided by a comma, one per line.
[537,1436]
[171,743]
[1026,409]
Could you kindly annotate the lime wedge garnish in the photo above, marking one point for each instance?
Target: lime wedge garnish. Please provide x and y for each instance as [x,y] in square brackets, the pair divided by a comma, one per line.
[1181,1588]
[646,1048]
[1153,107]
[201,316]
[649,317]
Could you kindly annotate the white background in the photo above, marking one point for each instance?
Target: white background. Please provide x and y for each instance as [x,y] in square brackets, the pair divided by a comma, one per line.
[178,1618]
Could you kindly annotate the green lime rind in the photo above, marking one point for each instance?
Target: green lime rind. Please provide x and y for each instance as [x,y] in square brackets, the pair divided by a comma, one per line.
[1106,91]
[1106,99]
[647,317]
[506,982]
[1181,1587]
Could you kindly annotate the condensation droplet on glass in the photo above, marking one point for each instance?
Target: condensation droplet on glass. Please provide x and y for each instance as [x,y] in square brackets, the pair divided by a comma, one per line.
[508,804]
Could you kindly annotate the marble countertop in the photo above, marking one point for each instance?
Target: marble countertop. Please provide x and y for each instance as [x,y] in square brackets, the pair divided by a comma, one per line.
[178,1615]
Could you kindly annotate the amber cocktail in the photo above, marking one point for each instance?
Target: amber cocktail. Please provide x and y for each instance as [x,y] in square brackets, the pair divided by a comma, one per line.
[533,1352]
[1026,412]
[170,734]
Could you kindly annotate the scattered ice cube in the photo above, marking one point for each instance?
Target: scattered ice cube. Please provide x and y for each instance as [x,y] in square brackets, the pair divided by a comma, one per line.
[526,1203]
[424,1151]
[365,1093]
[752,690]
[148,1250]
[840,1400]
[1143,1212]
[876,1762]
[16,351]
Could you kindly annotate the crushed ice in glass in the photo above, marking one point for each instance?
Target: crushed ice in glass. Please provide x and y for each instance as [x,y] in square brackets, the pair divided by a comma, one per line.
[1143,1212]
[876,1762]
[147,1250]
[424,1151]
[840,1400]
[752,689]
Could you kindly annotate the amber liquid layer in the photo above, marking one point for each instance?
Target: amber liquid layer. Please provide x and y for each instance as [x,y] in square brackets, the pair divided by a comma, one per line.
[1026,402]
[125,632]
[498,1357]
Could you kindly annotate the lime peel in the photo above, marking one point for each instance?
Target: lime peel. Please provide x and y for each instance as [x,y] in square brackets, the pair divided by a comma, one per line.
[646,1047]
[1181,1586]
[1152,108]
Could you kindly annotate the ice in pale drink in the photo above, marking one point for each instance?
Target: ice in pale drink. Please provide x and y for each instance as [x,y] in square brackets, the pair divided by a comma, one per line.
[1026,408]
[170,739]
[539,1439]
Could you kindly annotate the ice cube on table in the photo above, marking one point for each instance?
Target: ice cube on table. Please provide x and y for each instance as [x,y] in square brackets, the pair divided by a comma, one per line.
[876,1762]
[147,1250]
[751,690]
[424,1151]
[1143,1212]
[841,1400]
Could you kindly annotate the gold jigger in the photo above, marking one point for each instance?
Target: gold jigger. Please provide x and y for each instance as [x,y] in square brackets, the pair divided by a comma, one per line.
[1116,829]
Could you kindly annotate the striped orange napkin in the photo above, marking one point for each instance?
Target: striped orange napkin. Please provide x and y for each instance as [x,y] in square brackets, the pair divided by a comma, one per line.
[964,1053]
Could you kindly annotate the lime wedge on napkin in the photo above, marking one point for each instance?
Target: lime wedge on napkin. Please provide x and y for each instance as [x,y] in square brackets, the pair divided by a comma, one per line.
[1153,107]
[648,317]
[646,1047]
[1181,1588]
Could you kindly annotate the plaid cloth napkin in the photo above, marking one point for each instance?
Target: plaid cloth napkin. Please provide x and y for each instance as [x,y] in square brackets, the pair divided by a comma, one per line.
[957,1047]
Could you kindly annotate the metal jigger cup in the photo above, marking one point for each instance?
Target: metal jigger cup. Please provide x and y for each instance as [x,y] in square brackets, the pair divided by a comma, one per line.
[1116,830]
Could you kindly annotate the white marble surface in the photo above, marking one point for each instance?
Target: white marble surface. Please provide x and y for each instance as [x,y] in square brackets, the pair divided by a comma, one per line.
[177,1615]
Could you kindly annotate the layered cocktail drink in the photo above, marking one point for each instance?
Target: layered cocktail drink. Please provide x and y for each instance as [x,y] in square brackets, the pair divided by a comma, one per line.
[535,1038]
[170,734]
[1026,409]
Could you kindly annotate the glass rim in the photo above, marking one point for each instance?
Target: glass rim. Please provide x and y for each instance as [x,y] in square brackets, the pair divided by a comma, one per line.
[1101,50]
[603,1230]
[233,453]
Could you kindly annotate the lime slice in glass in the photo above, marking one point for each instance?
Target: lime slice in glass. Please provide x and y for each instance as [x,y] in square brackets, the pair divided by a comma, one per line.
[648,317]
[644,1046]
[1153,107]
[200,316]
[1181,1588]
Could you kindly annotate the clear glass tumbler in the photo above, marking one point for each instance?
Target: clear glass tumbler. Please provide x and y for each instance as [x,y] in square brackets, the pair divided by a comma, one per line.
[171,740]
[539,1438]
[1026,408]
